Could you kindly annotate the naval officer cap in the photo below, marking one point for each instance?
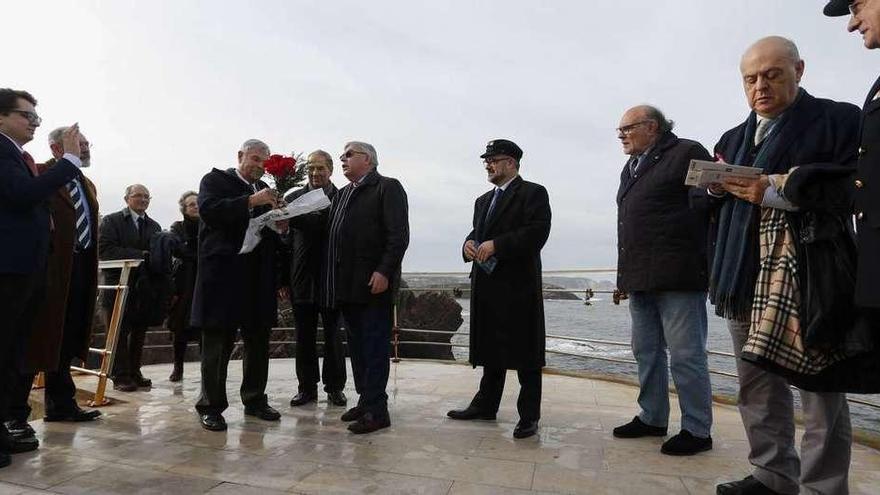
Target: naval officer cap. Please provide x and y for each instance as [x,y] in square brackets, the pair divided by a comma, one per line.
[836,8]
[502,147]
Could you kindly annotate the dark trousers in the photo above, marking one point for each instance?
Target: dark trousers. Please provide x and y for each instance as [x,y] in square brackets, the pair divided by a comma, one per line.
[528,404]
[20,299]
[60,391]
[217,345]
[129,349]
[333,370]
[369,346]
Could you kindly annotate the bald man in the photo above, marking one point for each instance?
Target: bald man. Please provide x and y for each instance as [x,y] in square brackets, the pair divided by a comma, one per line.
[661,263]
[753,278]
[126,235]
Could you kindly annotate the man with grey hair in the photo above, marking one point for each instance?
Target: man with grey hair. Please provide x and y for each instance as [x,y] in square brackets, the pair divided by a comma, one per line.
[63,326]
[368,233]
[661,264]
[754,280]
[307,254]
[123,235]
[235,293]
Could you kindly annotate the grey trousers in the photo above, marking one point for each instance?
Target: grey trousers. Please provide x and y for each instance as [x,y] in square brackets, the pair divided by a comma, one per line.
[766,404]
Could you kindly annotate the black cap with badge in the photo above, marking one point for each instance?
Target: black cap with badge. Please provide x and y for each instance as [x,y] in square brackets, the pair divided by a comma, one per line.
[502,147]
[836,8]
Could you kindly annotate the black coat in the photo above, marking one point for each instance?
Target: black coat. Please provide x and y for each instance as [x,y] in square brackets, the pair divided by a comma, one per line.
[661,240]
[507,306]
[307,238]
[819,131]
[118,239]
[373,238]
[24,209]
[232,290]
[852,188]
[184,273]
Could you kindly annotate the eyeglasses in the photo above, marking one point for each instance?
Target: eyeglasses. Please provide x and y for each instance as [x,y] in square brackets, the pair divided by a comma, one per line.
[31,116]
[495,159]
[350,153]
[140,196]
[628,129]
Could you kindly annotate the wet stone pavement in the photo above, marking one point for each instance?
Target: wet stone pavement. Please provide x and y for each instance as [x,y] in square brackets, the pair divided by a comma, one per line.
[152,444]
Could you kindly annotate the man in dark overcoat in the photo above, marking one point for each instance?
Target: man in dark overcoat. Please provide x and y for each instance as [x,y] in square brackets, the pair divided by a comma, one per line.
[235,292]
[511,224]
[854,189]
[367,236]
[751,277]
[661,264]
[308,250]
[25,225]
[126,234]
[63,328]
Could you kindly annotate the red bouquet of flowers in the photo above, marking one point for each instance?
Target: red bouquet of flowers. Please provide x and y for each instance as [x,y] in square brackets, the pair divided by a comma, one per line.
[286,171]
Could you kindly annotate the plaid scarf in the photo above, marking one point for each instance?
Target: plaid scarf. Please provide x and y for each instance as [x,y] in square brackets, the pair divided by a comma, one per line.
[775,336]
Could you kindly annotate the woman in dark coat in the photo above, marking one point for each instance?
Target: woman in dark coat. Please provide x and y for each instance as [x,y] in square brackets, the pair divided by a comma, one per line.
[184,280]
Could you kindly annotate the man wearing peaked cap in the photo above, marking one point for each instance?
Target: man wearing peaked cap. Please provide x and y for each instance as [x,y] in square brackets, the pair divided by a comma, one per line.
[510,226]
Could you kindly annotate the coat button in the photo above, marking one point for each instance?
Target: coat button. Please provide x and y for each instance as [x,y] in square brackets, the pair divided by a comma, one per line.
[860,215]
[861,151]
[859,184]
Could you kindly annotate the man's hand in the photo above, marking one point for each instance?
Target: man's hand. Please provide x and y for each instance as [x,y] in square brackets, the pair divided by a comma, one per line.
[70,140]
[470,250]
[716,189]
[751,190]
[378,283]
[266,196]
[283,293]
[282,225]
[485,251]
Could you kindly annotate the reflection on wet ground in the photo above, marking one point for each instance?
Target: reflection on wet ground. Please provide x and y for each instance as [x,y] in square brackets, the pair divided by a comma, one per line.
[152,443]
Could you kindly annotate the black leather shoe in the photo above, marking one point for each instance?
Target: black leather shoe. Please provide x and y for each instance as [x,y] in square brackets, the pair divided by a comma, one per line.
[11,445]
[746,486]
[368,423]
[263,412]
[76,415]
[19,429]
[303,398]
[176,375]
[212,422]
[141,381]
[685,443]
[337,398]
[5,459]
[353,414]
[525,428]
[637,429]
[124,385]
[470,412]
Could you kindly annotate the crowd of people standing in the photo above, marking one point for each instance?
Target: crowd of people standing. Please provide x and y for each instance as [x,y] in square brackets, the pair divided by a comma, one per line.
[787,258]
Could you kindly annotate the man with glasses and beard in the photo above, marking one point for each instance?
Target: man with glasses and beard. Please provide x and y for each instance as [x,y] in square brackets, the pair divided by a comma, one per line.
[511,224]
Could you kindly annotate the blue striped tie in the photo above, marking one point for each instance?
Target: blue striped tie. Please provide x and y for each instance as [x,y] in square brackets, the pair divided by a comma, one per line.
[83,234]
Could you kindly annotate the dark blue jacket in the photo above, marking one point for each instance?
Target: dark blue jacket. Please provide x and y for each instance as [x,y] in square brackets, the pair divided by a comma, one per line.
[24,209]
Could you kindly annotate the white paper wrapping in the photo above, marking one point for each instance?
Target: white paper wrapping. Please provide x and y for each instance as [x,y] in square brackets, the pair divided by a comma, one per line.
[307,203]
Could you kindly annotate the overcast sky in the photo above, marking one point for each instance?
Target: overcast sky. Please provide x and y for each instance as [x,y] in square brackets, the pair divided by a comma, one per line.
[165,90]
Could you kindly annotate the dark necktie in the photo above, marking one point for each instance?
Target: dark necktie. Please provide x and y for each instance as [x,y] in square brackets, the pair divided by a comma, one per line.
[32,165]
[140,225]
[83,233]
[495,198]
[633,166]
